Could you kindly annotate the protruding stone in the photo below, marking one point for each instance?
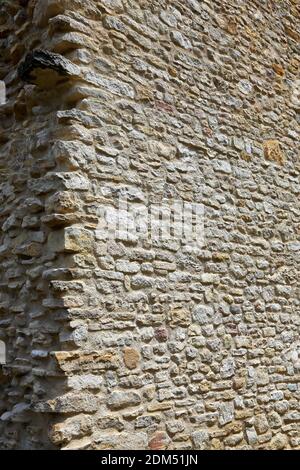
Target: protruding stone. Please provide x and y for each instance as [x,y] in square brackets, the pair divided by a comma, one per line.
[38,64]
[86,361]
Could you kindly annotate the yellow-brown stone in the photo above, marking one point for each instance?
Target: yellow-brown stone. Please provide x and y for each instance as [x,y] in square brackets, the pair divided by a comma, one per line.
[131,358]
[273,152]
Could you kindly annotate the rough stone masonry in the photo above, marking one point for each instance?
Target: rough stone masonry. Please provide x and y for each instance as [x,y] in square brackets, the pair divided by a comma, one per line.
[135,343]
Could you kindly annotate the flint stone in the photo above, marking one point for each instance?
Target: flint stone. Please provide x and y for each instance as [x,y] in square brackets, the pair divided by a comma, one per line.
[119,400]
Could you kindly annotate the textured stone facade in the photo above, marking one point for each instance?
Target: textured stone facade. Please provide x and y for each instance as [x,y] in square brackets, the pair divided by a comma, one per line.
[132,344]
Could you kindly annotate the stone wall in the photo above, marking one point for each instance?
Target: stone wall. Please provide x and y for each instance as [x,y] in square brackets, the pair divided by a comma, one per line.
[135,343]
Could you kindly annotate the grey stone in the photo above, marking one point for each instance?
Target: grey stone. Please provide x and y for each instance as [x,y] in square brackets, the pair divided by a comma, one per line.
[200,439]
[119,400]
[203,314]
[180,40]
[226,413]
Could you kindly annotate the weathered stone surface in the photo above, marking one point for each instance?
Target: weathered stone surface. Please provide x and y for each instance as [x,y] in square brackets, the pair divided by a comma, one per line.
[226,413]
[251,436]
[159,441]
[40,60]
[200,439]
[89,381]
[71,428]
[122,339]
[71,240]
[278,442]
[203,314]
[86,361]
[273,151]
[131,358]
[69,404]
[261,424]
[123,441]
[119,400]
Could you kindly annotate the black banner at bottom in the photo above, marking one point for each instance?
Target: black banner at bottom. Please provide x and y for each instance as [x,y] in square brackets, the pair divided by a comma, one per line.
[136,459]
